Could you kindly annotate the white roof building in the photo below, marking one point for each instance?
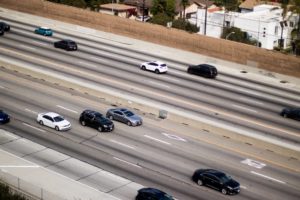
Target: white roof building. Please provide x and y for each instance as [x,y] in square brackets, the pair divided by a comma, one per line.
[264,24]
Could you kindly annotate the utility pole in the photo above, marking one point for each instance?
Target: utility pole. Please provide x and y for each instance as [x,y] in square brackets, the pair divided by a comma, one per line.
[143,7]
[205,20]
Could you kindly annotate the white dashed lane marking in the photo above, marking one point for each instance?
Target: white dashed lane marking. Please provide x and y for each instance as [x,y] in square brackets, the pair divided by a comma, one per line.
[268,177]
[158,140]
[244,108]
[122,144]
[28,110]
[33,127]
[73,111]
[129,163]
[253,163]
[174,137]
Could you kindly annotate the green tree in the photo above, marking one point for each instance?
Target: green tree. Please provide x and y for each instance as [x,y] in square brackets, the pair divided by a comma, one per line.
[184,4]
[75,3]
[166,7]
[161,19]
[236,34]
[230,5]
[181,23]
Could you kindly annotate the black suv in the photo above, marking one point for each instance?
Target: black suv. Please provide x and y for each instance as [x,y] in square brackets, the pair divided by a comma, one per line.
[68,45]
[293,113]
[96,120]
[4,117]
[204,70]
[216,180]
[4,27]
[153,194]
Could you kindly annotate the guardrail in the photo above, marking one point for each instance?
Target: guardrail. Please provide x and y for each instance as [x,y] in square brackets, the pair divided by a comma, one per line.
[28,190]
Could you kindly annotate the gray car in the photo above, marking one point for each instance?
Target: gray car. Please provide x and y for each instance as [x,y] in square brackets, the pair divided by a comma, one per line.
[124,115]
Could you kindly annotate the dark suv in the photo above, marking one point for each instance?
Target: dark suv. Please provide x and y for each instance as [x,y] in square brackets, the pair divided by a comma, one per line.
[68,45]
[204,70]
[216,180]
[153,194]
[4,117]
[4,27]
[293,113]
[96,120]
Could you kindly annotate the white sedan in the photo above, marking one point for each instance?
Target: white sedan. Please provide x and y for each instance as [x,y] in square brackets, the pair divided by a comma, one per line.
[155,66]
[53,120]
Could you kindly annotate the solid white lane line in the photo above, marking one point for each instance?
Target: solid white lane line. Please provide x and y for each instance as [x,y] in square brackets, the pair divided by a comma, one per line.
[73,111]
[159,84]
[19,166]
[172,79]
[174,137]
[34,127]
[129,163]
[241,107]
[28,47]
[86,63]
[30,111]
[267,177]
[40,43]
[125,145]
[250,100]
[158,140]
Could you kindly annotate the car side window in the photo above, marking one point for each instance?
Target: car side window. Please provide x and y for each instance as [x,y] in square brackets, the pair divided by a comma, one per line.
[89,116]
[48,117]
[118,113]
[154,64]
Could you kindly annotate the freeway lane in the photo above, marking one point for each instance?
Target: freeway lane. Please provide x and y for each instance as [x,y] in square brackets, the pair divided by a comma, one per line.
[143,154]
[207,100]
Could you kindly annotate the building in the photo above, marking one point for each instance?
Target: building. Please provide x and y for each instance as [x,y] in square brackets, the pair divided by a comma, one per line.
[263,23]
[120,10]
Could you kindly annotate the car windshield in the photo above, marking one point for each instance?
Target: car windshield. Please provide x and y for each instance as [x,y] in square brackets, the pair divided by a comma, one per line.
[163,65]
[58,119]
[98,115]
[129,113]
[225,178]
[72,43]
[166,197]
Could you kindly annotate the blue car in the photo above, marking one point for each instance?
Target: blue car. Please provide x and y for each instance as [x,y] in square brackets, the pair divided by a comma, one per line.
[4,118]
[44,31]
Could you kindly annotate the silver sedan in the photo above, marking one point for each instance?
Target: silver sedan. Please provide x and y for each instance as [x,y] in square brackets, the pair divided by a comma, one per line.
[124,115]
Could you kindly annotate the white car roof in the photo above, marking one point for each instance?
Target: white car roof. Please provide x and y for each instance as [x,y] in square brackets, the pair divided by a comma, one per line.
[51,114]
[43,27]
[158,62]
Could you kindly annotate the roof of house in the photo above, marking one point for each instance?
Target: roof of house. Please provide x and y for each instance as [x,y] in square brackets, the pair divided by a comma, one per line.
[249,4]
[116,6]
[178,7]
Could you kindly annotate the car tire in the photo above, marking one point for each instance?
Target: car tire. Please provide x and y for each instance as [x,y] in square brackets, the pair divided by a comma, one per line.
[129,123]
[156,71]
[56,128]
[83,123]
[143,68]
[200,182]
[285,115]
[224,191]
[41,122]
[111,117]
[100,129]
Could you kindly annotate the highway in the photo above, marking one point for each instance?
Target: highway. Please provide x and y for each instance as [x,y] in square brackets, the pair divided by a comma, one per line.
[146,154]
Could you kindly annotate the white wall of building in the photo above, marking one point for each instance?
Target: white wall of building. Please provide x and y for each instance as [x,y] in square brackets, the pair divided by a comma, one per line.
[263,24]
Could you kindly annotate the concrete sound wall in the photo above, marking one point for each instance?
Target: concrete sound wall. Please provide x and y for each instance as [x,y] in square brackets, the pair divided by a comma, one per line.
[218,48]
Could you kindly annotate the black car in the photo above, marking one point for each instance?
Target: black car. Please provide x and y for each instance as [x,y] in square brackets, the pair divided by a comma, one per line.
[4,26]
[204,70]
[153,194]
[216,180]
[68,45]
[96,120]
[4,118]
[293,113]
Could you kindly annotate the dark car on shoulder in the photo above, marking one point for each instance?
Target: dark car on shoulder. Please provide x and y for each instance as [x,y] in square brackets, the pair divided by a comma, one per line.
[217,180]
[96,120]
[5,26]
[68,45]
[293,113]
[4,117]
[153,194]
[204,70]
